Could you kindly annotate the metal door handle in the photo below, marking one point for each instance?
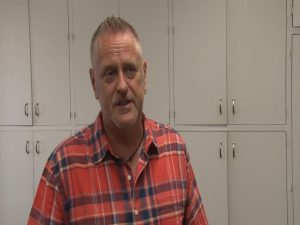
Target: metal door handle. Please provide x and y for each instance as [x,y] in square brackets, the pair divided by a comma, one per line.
[220,150]
[233,150]
[37,147]
[26,109]
[220,107]
[37,109]
[233,106]
[27,147]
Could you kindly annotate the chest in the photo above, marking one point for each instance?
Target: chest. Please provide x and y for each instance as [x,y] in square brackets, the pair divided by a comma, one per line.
[109,194]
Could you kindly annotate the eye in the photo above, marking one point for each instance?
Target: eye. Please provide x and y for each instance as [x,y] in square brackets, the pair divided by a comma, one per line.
[130,71]
[109,75]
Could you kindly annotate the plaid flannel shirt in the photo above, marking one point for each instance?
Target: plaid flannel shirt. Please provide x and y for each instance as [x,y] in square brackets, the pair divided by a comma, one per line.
[84,183]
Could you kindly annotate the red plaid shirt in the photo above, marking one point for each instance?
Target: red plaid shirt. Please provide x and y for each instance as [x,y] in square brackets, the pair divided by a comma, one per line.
[83,183]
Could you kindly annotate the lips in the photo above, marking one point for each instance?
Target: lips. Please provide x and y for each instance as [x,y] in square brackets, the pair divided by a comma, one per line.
[122,102]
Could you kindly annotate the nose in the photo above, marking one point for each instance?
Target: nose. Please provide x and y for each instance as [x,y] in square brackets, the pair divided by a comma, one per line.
[122,86]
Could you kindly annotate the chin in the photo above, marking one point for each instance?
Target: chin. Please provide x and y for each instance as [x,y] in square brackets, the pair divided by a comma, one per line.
[125,121]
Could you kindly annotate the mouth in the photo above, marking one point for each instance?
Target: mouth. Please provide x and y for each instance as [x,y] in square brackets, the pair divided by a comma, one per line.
[122,102]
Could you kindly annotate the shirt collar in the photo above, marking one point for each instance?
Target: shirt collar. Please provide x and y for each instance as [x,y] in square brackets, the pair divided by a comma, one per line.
[101,146]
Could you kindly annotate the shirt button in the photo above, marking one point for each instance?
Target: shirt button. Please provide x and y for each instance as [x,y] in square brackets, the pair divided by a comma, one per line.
[128,177]
[136,212]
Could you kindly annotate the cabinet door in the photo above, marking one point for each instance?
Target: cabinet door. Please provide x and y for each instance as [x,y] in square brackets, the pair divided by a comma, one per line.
[50,61]
[87,15]
[153,33]
[16,177]
[296,13]
[296,125]
[44,143]
[208,153]
[15,78]
[257,178]
[256,37]
[200,61]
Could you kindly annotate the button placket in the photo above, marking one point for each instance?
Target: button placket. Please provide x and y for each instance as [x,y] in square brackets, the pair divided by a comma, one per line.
[131,183]
[140,168]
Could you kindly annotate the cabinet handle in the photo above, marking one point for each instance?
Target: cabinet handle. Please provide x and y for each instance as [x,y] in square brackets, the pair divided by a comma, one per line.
[233,150]
[233,106]
[220,150]
[27,147]
[37,109]
[220,107]
[26,109]
[37,147]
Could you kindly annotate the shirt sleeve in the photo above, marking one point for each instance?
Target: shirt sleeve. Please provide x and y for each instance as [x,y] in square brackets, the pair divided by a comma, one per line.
[194,211]
[48,202]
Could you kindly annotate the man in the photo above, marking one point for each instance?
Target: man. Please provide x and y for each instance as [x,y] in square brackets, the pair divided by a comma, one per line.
[124,168]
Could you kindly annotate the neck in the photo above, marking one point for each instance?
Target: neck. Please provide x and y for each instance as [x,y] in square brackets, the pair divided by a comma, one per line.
[124,141]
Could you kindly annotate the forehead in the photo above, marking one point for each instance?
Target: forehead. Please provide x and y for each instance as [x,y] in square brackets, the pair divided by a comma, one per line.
[117,43]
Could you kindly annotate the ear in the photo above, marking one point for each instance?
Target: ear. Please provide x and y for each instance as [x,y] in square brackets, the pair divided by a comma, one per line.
[93,82]
[145,75]
[145,67]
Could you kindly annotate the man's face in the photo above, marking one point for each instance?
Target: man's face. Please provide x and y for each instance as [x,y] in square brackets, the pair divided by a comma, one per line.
[118,78]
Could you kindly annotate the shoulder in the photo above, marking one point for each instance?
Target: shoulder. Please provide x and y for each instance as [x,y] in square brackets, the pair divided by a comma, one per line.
[165,137]
[73,149]
[160,129]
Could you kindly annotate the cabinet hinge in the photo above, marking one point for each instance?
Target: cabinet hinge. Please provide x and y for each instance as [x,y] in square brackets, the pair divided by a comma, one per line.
[173,30]
[71,37]
[292,9]
[291,51]
[292,187]
[70,115]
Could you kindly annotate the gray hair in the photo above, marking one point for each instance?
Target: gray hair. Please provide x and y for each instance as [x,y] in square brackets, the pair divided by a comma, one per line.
[112,24]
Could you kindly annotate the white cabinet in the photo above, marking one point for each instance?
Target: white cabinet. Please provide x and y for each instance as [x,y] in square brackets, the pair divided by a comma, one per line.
[153,34]
[16,186]
[86,16]
[23,155]
[256,51]
[247,65]
[200,61]
[257,178]
[15,80]
[50,62]
[208,154]
[296,13]
[253,168]
[296,126]
[42,93]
